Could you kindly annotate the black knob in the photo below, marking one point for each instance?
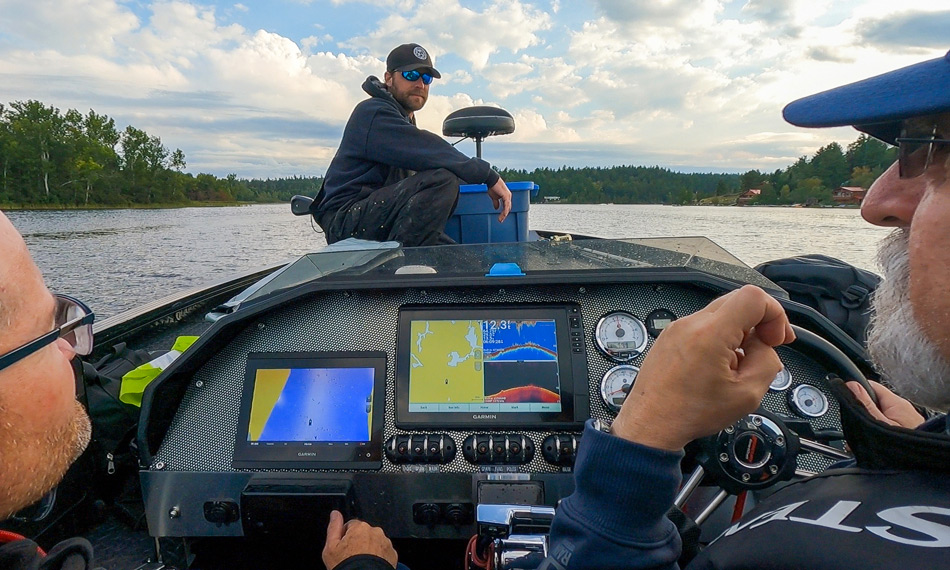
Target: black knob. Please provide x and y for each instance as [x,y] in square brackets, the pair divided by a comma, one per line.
[426,513]
[457,514]
[221,512]
[559,449]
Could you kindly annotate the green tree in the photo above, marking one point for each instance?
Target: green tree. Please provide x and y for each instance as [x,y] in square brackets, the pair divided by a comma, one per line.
[863,176]
[831,166]
[143,156]
[870,152]
[39,131]
[751,179]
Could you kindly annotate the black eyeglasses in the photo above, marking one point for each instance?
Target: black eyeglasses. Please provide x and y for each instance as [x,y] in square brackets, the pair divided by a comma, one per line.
[916,153]
[73,322]
[414,75]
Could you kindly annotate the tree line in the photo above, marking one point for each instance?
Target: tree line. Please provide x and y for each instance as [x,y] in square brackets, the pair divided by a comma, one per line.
[54,159]
[807,181]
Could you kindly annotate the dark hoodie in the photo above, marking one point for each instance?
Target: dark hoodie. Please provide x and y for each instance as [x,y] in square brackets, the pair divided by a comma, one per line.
[381,145]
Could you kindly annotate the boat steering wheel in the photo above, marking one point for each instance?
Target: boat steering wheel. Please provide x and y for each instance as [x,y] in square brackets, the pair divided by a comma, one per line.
[761,449]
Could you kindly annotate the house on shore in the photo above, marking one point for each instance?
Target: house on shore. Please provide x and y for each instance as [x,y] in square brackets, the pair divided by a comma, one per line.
[849,195]
[748,196]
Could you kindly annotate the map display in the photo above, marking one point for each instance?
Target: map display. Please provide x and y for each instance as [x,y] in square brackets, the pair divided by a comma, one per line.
[484,365]
[312,405]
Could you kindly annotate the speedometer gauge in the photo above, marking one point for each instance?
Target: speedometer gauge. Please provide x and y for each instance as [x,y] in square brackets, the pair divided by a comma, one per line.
[808,401]
[781,381]
[621,336]
[617,383]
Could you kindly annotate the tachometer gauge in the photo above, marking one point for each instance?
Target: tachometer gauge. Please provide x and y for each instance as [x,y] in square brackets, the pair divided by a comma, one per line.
[621,336]
[781,381]
[808,401]
[617,383]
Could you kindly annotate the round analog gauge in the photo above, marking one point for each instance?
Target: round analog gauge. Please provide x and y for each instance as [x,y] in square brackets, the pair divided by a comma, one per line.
[781,381]
[621,336]
[808,401]
[658,320]
[616,385]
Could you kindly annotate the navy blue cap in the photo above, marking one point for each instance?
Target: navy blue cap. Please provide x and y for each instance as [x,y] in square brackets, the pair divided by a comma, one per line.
[409,57]
[877,105]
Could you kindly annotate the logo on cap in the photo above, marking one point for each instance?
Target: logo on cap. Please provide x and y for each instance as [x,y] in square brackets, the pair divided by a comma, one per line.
[420,53]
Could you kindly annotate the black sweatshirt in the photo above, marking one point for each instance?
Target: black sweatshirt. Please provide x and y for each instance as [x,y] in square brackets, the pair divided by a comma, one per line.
[381,146]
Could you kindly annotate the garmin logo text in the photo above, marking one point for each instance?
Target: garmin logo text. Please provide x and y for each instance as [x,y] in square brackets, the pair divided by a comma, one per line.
[484,417]
[306,454]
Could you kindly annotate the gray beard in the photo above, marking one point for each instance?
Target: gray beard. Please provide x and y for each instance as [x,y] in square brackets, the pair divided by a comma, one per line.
[909,361]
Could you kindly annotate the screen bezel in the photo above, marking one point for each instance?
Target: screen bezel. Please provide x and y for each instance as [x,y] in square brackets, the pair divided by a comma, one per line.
[572,368]
[286,455]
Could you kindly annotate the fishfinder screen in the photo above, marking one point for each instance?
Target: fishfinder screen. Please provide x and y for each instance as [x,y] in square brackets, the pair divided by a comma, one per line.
[484,365]
[491,366]
[318,409]
[311,405]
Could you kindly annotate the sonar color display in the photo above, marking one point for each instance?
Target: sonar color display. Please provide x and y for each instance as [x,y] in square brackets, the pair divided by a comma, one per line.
[312,405]
[484,366]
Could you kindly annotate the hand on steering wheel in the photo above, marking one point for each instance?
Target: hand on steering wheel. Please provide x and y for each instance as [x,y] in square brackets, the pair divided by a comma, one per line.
[706,371]
[710,371]
[889,408]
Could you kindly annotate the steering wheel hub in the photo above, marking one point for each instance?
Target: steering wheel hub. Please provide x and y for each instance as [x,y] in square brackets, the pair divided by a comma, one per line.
[755,452]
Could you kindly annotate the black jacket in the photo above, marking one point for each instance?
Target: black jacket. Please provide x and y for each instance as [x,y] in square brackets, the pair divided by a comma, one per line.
[381,146]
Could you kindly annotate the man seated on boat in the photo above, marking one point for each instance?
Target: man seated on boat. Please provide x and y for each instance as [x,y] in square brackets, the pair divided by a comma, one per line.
[711,368]
[43,428]
[390,180]
[892,512]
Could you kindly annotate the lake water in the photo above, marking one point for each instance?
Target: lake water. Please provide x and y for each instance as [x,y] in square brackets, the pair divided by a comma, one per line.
[118,259]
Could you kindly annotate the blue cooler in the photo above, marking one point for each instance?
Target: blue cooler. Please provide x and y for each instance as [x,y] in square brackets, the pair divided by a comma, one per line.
[476,220]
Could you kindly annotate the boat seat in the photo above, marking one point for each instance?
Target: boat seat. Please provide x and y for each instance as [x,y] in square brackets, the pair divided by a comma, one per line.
[478,122]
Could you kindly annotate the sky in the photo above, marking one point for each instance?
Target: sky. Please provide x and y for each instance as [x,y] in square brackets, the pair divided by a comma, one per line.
[263,88]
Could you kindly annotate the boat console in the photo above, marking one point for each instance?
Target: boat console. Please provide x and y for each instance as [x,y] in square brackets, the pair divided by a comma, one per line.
[440,392]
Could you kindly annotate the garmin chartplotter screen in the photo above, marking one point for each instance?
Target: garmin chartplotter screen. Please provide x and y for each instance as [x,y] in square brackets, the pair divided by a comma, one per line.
[485,366]
[311,409]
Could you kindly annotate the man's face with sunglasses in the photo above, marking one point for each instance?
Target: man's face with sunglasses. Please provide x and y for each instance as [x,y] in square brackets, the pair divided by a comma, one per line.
[409,88]
[913,195]
[43,428]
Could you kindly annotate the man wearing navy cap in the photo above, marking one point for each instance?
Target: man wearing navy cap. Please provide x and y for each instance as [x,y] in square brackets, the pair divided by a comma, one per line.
[390,180]
[892,510]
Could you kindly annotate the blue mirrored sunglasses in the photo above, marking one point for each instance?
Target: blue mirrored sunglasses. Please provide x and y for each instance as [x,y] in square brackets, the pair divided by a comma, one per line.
[72,321]
[414,75]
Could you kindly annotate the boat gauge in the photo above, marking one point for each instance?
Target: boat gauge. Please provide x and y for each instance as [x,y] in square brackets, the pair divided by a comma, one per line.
[781,381]
[808,401]
[658,320]
[621,336]
[617,383]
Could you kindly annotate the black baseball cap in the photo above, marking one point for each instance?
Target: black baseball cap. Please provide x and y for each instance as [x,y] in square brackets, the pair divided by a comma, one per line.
[879,105]
[408,57]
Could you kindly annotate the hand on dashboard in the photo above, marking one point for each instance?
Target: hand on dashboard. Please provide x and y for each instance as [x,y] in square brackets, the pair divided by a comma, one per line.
[353,538]
[890,409]
[706,371]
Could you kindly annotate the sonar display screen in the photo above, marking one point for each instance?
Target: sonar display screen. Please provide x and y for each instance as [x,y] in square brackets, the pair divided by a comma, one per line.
[484,365]
[311,405]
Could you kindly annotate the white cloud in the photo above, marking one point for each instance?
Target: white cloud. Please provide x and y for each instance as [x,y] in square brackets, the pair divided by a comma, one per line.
[89,26]
[447,27]
[690,82]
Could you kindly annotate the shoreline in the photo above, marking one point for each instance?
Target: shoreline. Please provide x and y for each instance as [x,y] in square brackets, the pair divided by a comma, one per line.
[173,206]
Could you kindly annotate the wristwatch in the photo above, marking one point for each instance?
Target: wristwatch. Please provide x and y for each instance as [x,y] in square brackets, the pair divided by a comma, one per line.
[600,425]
